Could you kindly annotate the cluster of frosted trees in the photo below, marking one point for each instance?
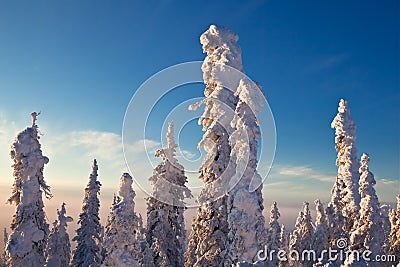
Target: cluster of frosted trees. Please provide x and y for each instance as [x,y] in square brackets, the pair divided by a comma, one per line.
[229,228]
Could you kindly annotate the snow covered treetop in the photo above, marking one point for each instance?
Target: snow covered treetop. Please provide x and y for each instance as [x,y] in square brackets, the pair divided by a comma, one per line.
[95,168]
[28,160]
[343,123]
[366,175]
[170,136]
[168,153]
[217,36]
[221,46]
[125,188]
[63,220]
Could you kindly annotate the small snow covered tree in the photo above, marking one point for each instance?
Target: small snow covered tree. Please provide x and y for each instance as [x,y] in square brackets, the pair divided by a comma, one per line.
[27,241]
[284,240]
[295,239]
[368,232]
[166,233]
[301,237]
[88,235]
[394,236]
[348,165]
[210,228]
[3,260]
[123,231]
[274,238]
[385,210]
[320,239]
[58,248]
[307,231]
[247,232]
[334,216]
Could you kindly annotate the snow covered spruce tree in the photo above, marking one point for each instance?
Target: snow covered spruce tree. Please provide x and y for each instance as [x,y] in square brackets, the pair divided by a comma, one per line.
[284,240]
[88,235]
[3,260]
[210,228]
[301,237]
[368,232]
[58,248]
[320,239]
[334,216]
[274,241]
[247,233]
[348,165]
[121,243]
[394,236]
[27,241]
[295,238]
[166,233]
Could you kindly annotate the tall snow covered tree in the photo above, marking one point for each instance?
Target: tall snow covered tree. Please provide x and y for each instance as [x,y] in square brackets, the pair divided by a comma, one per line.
[166,233]
[27,241]
[88,235]
[274,241]
[368,232]
[121,243]
[210,228]
[348,165]
[58,247]
[247,232]
[394,236]
[320,239]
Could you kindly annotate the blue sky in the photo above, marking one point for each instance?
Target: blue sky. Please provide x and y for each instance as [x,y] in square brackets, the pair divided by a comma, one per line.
[80,62]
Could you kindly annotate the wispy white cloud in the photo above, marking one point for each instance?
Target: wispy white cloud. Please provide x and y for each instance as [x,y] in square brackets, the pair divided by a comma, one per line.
[326,62]
[388,181]
[305,172]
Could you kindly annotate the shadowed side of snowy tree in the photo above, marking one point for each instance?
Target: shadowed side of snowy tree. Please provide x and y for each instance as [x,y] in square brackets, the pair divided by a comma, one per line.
[88,235]
[122,244]
[247,233]
[27,241]
[3,260]
[210,228]
[165,232]
[394,237]
[58,248]
[320,239]
[274,238]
